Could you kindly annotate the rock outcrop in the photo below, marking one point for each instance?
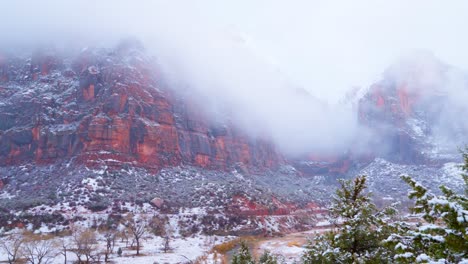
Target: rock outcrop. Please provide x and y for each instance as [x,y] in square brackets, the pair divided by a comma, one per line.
[413,116]
[411,111]
[109,107]
[100,129]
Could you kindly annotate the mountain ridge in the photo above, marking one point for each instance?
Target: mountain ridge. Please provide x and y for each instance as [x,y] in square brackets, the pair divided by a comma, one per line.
[107,117]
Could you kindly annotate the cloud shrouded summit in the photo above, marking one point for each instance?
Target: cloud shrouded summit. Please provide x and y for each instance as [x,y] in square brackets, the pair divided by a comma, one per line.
[253,56]
[349,43]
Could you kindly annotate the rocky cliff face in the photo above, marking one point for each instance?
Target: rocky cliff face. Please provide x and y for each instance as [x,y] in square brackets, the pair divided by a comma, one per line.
[111,107]
[415,112]
[99,130]
[412,116]
[108,106]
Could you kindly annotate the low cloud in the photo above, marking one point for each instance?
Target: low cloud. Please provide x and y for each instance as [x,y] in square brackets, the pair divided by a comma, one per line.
[278,69]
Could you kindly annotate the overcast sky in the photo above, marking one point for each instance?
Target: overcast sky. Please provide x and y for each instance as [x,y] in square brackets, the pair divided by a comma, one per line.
[324,46]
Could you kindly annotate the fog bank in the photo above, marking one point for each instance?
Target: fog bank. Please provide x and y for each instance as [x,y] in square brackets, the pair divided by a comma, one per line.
[277,67]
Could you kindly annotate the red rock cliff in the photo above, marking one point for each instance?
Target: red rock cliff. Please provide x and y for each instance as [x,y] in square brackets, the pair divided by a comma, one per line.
[405,107]
[107,106]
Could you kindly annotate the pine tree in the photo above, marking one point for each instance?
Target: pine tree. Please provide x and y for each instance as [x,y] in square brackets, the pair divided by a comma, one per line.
[243,255]
[361,228]
[445,235]
[268,258]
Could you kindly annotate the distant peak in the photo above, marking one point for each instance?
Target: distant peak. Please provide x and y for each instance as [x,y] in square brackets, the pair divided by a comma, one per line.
[421,69]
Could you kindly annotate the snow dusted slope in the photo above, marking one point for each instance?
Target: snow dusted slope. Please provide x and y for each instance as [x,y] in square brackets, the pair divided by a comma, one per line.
[416,115]
[99,133]
[385,182]
[416,112]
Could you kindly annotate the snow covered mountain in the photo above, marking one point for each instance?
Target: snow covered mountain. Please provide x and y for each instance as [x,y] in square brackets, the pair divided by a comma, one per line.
[101,131]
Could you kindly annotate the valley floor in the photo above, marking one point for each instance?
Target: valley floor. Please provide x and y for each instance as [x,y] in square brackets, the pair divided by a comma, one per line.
[194,249]
[182,250]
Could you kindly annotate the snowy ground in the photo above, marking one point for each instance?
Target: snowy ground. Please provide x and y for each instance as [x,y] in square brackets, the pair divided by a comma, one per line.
[183,250]
[290,246]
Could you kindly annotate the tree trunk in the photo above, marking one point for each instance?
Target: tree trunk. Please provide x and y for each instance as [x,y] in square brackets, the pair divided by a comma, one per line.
[65,256]
[138,246]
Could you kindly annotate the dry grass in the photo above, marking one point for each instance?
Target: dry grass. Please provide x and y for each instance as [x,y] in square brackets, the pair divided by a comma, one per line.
[225,247]
[201,259]
[294,244]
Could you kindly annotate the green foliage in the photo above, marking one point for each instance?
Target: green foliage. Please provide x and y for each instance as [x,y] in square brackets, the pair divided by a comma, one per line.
[360,231]
[365,235]
[324,249]
[243,255]
[444,237]
[268,258]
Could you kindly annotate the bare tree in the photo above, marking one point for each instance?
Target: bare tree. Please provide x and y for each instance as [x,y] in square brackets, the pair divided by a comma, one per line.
[157,225]
[96,257]
[123,234]
[64,247]
[12,246]
[166,244]
[167,238]
[110,236]
[137,227]
[38,250]
[85,245]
